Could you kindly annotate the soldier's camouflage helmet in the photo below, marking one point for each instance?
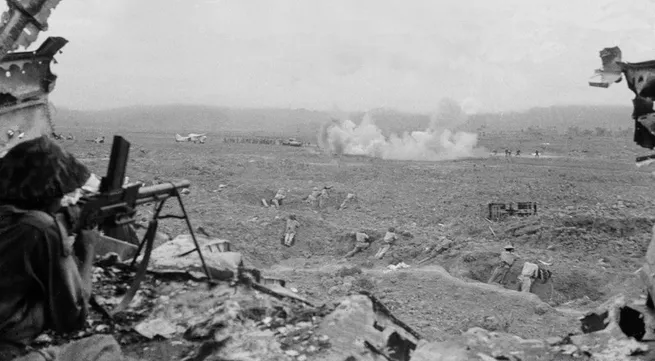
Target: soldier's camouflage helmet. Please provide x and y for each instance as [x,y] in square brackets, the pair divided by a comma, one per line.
[509,246]
[38,171]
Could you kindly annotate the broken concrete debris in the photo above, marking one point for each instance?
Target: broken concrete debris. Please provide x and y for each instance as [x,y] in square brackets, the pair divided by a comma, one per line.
[265,320]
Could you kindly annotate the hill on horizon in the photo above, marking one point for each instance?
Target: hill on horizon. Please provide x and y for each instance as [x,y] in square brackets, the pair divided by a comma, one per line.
[303,123]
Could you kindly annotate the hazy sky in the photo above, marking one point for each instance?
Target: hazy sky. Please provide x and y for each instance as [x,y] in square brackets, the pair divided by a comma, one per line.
[492,55]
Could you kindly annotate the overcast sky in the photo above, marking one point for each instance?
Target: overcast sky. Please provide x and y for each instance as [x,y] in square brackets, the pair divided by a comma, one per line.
[491,55]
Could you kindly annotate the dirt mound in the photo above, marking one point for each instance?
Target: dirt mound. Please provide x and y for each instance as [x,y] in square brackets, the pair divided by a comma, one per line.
[622,227]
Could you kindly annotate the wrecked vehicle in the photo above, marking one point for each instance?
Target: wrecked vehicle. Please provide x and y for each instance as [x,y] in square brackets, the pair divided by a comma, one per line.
[640,78]
[27,79]
[293,142]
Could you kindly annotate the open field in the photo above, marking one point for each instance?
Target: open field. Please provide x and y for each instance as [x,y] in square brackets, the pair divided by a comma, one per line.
[595,217]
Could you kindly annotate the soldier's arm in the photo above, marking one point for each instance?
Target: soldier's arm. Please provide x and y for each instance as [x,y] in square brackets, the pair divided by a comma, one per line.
[66,286]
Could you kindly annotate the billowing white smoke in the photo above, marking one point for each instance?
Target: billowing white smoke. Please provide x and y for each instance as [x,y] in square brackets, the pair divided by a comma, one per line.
[435,143]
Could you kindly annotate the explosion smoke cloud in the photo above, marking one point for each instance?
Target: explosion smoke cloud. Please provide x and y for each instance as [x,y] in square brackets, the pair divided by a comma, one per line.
[437,142]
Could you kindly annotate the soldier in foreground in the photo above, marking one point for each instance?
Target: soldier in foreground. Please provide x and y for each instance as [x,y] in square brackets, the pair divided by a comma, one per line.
[532,272]
[45,273]
[389,238]
[362,242]
[507,259]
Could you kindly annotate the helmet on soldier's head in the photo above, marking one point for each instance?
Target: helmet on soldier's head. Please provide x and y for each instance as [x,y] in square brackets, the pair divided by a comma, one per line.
[509,247]
[392,229]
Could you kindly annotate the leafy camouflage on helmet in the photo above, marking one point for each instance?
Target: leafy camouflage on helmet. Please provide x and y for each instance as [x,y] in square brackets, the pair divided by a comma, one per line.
[38,171]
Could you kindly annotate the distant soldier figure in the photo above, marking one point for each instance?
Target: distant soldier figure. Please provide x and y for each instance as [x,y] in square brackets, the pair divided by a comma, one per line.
[494,152]
[350,197]
[508,153]
[323,197]
[536,153]
[518,152]
[279,196]
[277,200]
[291,229]
[507,260]
[389,238]
[313,197]
[362,242]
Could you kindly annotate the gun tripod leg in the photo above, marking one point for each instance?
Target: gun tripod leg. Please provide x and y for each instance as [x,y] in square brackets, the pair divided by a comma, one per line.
[149,240]
[193,236]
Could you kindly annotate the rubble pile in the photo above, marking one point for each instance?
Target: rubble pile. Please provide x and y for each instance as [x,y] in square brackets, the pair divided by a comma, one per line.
[257,319]
[110,284]
[345,280]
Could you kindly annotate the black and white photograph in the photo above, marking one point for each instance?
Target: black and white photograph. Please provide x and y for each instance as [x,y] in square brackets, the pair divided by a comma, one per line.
[347,180]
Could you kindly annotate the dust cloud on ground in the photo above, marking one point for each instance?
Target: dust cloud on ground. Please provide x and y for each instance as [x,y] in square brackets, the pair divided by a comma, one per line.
[440,141]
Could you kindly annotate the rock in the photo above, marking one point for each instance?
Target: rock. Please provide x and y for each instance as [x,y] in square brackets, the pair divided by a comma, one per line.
[292,353]
[304,324]
[568,349]
[552,341]
[355,319]
[43,338]
[155,327]
[334,290]
[541,308]
[446,351]
[349,279]
[101,328]
[348,271]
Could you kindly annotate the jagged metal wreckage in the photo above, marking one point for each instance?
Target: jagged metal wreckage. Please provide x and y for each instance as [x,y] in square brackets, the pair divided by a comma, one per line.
[640,78]
[26,77]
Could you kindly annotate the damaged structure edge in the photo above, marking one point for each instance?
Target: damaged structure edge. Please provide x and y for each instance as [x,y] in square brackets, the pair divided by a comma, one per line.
[640,78]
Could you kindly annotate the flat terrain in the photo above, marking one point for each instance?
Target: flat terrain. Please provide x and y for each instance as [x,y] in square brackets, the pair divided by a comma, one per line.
[594,221]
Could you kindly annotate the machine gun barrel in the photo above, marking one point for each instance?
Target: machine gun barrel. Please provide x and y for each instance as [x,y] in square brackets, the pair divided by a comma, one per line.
[160,191]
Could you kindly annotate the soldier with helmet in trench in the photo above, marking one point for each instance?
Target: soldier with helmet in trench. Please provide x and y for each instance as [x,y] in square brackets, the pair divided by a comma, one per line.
[507,259]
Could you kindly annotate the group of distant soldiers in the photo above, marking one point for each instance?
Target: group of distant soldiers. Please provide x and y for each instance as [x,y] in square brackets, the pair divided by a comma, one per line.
[318,198]
[253,140]
[508,153]
[70,136]
[62,137]
[363,241]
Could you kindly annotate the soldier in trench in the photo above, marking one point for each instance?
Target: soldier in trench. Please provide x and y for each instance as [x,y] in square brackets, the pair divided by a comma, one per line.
[389,238]
[532,272]
[507,259]
[312,198]
[362,242]
[277,200]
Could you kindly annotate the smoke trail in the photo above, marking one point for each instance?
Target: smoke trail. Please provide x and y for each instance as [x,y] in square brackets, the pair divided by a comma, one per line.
[437,142]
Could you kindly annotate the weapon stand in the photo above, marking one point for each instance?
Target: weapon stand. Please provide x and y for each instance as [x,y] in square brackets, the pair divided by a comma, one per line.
[148,241]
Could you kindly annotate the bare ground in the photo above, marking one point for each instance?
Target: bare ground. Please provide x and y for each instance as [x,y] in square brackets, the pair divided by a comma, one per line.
[594,220]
